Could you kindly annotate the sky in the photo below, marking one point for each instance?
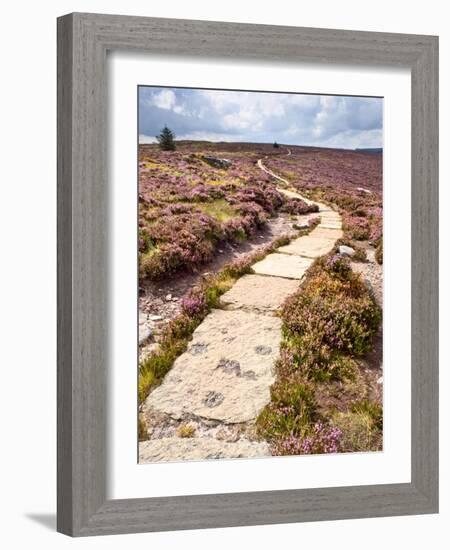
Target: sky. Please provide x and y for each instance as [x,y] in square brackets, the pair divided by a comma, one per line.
[292,119]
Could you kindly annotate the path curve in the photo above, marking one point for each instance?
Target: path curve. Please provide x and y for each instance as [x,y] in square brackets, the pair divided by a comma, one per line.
[222,382]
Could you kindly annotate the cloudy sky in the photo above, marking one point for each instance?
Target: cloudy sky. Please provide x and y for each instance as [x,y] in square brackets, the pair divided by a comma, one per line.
[296,119]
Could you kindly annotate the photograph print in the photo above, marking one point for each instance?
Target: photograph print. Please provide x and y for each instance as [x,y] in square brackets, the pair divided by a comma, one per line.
[260,260]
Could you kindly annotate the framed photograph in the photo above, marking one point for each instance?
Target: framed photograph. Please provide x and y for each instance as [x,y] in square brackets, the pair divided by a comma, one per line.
[247,274]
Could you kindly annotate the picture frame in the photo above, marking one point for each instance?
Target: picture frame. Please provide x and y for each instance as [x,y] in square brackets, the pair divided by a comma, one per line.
[84,39]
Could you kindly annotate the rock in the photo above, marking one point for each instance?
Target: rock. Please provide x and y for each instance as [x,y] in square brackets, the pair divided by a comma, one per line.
[213,399]
[333,233]
[217,162]
[170,449]
[175,299]
[230,365]
[196,386]
[198,348]
[364,190]
[346,250]
[155,317]
[255,292]
[380,380]
[169,297]
[330,220]
[309,246]
[144,333]
[282,265]
[263,350]
[330,225]
[290,194]
[224,434]
[300,226]
[145,327]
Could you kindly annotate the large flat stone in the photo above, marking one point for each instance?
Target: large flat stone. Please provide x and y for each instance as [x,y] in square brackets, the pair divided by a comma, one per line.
[226,372]
[259,293]
[308,246]
[290,194]
[172,449]
[323,232]
[329,217]
[330,225]
[282,265]
[324,207]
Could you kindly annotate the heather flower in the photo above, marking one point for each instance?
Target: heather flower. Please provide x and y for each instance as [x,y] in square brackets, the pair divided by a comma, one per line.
[194,305]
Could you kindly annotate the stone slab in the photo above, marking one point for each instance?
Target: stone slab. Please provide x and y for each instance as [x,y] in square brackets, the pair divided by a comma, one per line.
[330,225]
[226,372]
[259,293]
[324,207]
[308,246]
[172,449]
[282,265]
[329,219]
[326,217]
[323,232]
[289,194]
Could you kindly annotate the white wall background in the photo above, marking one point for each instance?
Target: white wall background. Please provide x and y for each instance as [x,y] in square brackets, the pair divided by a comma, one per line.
[28,271]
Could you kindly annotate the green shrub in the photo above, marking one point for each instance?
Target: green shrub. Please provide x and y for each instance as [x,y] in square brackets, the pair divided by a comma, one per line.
[185,430]
[292,409]
[370,408]
[360,431]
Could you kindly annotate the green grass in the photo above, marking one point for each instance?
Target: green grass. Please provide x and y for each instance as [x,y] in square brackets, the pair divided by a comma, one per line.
[362,426]
[292,410]
[219,209]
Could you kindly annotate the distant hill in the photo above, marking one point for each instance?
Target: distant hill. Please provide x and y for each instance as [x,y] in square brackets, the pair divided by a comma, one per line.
[369,150]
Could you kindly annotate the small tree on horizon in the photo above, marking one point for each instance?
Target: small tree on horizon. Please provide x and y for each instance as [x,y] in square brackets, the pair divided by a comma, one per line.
[275,144]
[166,139]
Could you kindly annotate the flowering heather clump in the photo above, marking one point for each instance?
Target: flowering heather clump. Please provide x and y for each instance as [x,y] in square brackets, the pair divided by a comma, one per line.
[297,206]
[322,439]
[194,305]
[339,265]
[187,207]
[314,221]
[352,180]
[357,228]
[333,309]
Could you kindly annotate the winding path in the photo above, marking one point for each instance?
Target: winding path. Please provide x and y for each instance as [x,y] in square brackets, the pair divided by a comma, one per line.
[222,382]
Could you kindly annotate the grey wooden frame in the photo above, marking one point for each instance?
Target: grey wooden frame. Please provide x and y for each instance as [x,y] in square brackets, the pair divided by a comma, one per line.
[83,41]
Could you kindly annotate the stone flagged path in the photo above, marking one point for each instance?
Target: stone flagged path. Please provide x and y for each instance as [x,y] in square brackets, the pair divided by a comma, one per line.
[225,375]
[283,265]
[259,293]
[226,372]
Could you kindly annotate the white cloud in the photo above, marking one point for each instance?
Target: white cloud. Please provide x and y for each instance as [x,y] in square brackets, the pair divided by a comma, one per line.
[262,117]
[147,139]
[165,99]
